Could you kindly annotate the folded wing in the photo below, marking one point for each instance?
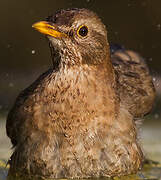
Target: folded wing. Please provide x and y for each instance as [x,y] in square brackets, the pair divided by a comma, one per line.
[134,82]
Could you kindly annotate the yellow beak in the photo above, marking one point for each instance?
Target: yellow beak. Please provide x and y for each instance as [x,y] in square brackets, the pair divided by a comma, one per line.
[45,28]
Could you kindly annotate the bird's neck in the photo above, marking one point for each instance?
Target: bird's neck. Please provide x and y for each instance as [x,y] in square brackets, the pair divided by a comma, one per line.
[55,57]
[70,58]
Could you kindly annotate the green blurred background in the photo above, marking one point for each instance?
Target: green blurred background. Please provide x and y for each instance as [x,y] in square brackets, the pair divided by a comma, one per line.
[24,54]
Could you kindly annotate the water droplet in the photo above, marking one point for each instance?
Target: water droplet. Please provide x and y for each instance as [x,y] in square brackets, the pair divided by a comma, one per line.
[154,79]
[150,59]
[11,84]
[158,26]
[156,116]
[33,51]
[8,45]
[157,84]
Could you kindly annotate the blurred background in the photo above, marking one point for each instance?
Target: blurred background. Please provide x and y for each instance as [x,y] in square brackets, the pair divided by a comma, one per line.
[24,54]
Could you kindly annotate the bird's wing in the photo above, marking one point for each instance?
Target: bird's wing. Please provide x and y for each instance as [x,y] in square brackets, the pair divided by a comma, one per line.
[22,109]
[134,82]
[14,121]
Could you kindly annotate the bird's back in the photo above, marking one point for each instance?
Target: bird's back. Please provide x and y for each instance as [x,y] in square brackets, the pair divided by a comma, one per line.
[134,82]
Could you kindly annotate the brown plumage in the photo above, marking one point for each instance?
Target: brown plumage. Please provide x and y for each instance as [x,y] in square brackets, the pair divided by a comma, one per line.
[78,119]
[134,83]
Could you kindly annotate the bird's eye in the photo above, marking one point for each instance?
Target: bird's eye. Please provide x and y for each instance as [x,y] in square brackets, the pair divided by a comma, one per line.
[82,31]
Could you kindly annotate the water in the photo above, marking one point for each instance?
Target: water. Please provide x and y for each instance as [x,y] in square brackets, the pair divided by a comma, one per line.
[149,172]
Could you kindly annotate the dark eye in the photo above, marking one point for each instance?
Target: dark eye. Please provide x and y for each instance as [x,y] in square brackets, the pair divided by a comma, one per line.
[82,31]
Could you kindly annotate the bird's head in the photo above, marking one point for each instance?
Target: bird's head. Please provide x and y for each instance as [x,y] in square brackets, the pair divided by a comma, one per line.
[78,35]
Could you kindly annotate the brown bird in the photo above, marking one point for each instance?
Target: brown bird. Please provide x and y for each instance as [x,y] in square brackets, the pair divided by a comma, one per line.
[77,120]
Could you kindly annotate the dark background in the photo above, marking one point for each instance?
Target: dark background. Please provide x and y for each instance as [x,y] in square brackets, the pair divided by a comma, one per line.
[24,53]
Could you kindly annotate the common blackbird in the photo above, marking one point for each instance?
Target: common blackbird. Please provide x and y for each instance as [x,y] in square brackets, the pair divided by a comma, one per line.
[79,119]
